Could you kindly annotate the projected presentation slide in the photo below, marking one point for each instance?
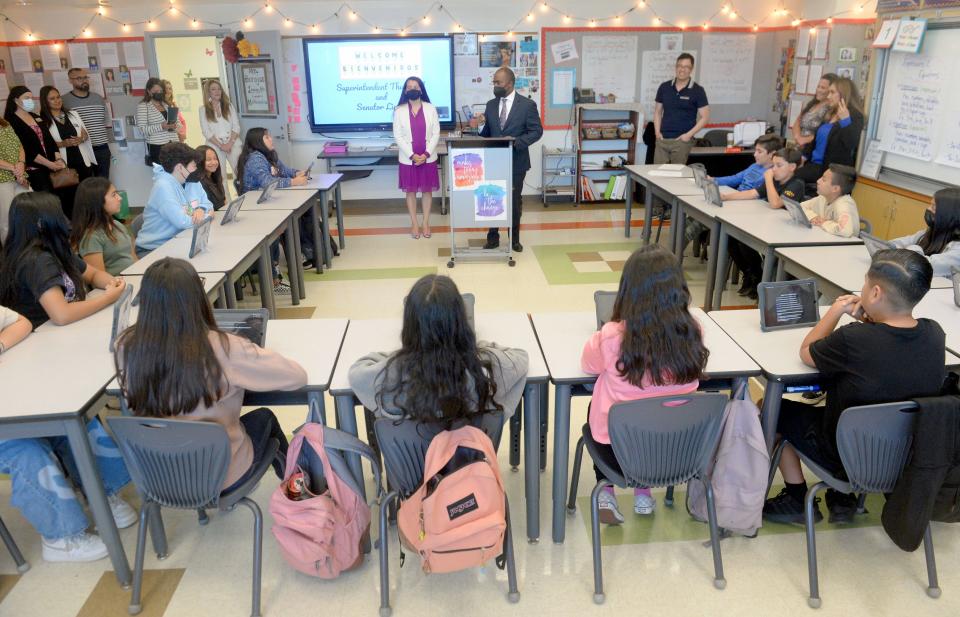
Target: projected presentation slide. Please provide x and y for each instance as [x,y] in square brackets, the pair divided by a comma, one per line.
[354,84]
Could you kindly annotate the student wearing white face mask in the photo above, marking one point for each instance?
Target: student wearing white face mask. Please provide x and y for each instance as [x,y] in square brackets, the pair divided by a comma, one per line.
[41,154]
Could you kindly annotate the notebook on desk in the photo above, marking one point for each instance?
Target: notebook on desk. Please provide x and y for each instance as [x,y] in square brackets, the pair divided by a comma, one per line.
[201,236]
[795,210]
[788,304]
[875,244]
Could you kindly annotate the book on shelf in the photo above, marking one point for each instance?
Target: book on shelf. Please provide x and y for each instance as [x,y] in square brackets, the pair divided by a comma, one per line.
[611,184]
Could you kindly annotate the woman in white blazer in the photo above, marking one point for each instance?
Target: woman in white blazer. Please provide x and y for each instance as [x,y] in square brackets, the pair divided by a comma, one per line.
[73,141]
[220,125]
[416,129]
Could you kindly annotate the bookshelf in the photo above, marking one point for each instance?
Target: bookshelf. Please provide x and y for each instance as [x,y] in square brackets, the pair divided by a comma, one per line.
[558,179]
[601,135]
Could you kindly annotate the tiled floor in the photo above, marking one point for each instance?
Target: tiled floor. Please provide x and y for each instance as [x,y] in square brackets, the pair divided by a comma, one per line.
[651,566]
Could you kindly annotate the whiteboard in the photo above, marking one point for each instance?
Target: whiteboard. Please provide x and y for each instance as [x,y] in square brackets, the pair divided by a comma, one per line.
[609,65]
[727,67]
[919,125]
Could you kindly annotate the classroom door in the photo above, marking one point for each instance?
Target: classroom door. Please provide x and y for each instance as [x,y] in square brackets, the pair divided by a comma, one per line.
[187,62]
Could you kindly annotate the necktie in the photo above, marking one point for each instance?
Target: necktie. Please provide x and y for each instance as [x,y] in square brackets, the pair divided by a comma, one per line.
[503,112]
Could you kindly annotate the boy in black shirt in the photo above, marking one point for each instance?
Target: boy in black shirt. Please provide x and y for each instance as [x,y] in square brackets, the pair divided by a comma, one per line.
[886,356]
[778,180]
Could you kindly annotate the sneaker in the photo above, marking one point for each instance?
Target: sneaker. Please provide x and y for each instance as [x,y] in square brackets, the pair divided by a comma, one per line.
[842,507]
[784,508]
[281,289]
[644,504]
[609,511]
[79,548]
[123,515]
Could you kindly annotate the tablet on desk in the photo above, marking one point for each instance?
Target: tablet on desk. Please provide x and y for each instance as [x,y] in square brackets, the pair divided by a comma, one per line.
[699,174]
[795,210]
[711,192]
[604,301]
[788,304]
[875,244]
[306,172]
[201,235]
[233,209]
[251,324]
[121,314]
[268,190]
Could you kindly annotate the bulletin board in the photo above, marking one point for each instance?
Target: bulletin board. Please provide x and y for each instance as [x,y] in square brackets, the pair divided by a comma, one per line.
[116,66]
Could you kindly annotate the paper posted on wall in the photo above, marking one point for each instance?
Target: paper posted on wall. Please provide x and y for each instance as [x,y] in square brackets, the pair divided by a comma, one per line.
[564,51]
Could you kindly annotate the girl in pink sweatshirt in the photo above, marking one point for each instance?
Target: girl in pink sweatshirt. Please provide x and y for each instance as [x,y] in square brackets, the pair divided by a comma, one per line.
[652,346]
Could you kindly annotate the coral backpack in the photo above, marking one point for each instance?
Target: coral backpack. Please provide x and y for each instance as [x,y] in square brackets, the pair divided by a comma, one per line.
[457,518]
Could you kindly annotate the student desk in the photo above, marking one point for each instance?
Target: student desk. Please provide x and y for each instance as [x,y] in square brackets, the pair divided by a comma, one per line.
[697,208]
[939,306]
[231,255]
[270,225]
[562,337]
[839,270]
[666,188]
[78,357]
[300,203]
[510,329]
[763,229]
[778,354]
[322,184]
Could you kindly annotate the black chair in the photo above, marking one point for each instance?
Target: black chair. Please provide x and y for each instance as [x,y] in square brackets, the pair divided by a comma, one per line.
[182,464]
[22,565]
[717,137]
[657,442]
[404,448]
[874,443]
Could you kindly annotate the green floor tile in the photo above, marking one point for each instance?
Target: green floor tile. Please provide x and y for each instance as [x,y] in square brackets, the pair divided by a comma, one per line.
[558,268]
[369,274]
[674,524]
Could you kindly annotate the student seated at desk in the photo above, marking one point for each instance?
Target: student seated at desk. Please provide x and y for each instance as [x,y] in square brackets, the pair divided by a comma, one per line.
[833,209]
[96,236]
[210,176]
[651,346]
[175,203]
[778,181]
[752,177]
[41,277]
[441,373]
[940,241]
[43,493]
[860,364]
[175,363]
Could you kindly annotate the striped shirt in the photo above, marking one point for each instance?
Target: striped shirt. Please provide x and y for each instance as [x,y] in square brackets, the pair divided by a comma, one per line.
[150,122]
[92,109]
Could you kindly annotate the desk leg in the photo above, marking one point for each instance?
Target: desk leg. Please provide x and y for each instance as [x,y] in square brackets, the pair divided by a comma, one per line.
[341,232]
[674,216]
[679,227]
[265,271]
[321,232]
[96,497]
[531,459]
[293,257]
[769,264]
[711,265]
[231,292]
[347,417]
[561,459]
[720,273]
[317,407]
[781,271]
[647,213]
[628,215]
[770,413]
[221,299]
[544,397]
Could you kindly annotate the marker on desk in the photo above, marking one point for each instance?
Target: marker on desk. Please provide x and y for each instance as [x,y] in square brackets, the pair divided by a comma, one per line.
[810,388]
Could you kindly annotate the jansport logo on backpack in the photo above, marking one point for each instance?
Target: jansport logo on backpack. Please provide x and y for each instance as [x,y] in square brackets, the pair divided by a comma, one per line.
[457,518]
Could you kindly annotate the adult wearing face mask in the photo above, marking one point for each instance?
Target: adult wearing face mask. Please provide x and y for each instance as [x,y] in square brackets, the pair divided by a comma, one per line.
[41,155]
[514,116]
[940,241]
[152,120]
[177,200]
[416,129]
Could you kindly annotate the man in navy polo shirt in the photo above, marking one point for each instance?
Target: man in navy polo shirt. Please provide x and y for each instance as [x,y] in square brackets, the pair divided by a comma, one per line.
[682,110]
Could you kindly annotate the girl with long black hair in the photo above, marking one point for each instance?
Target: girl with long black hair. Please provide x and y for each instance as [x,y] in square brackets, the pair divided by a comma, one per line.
[441,373]
[652,346]
[259,163]
[96,236]
[41,277]
[940,241]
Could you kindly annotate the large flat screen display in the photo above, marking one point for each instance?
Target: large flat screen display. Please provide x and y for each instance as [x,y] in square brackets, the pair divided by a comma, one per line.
[354,83]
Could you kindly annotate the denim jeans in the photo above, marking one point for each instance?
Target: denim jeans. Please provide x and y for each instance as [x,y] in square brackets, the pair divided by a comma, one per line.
[41,491]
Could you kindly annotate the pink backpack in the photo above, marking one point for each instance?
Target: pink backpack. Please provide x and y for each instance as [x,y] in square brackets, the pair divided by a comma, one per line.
[457,518]
[324,534]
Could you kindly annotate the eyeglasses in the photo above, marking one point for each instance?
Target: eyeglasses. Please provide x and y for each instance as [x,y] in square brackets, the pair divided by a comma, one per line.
[84,78]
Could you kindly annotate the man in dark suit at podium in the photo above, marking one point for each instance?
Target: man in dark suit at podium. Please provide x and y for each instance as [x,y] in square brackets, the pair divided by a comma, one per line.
[511,115]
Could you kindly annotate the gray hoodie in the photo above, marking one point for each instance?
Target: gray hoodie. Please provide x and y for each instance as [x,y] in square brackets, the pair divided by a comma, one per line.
[509,372]
[943,263]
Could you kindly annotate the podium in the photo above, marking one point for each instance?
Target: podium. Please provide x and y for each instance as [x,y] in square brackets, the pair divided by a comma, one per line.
[480,173]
